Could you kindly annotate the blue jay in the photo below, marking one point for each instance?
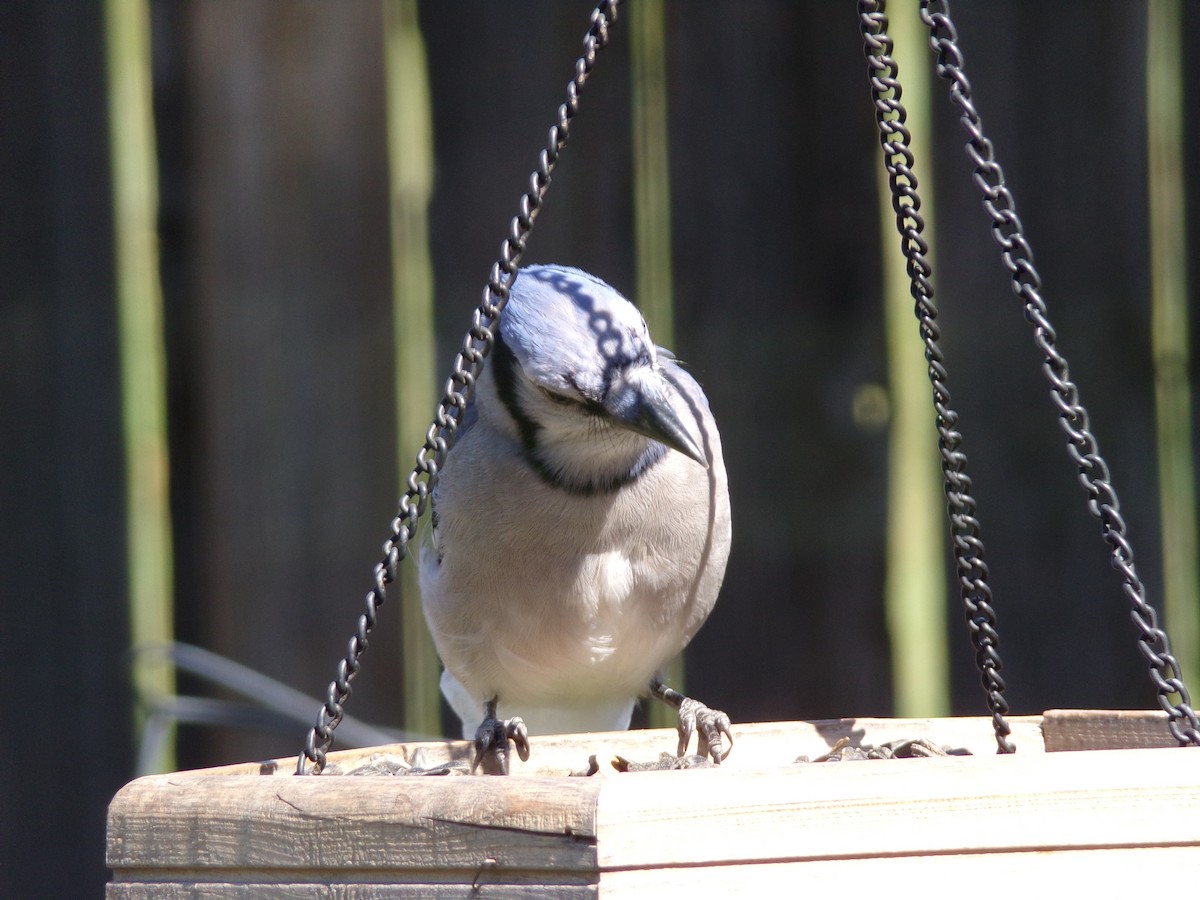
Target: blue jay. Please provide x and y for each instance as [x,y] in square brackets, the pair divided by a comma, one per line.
[580,525]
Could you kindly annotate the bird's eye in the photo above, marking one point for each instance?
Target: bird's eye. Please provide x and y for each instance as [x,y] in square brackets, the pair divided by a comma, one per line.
[553,397]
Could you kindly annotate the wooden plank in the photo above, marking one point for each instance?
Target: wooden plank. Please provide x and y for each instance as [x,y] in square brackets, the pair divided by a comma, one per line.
[281,329]
[1123,872]
[62,479]
[757,745]
[1105,729]
[195,821]
[233,818]
[1120,872]
[323,891]
[231,832]
[1109,798]
[1096,799]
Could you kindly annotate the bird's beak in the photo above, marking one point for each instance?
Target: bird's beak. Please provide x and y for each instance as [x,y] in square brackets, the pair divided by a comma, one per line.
[641,402]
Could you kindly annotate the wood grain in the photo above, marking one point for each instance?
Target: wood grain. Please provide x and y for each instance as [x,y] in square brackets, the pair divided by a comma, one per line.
[1105,729]
[761,823]
[1099,799]
[238,822]
[1118,873]
[756,745]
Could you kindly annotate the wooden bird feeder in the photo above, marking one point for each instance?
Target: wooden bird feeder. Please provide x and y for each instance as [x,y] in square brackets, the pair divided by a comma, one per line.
[1098,799]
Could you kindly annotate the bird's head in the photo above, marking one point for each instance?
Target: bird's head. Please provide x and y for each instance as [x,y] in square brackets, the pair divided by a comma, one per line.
[582,384]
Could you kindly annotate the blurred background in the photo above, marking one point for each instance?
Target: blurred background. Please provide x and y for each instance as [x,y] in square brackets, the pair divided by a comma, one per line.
[240,244]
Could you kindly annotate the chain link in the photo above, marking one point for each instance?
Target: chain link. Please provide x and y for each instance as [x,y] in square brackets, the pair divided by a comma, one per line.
[459,388]
[1082,446]
[894,138]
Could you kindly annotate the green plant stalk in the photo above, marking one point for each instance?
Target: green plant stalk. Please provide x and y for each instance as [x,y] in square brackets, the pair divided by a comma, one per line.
[651,169]
[915,580]
[652,214]
[1169,331]
[141,348]
[410,159]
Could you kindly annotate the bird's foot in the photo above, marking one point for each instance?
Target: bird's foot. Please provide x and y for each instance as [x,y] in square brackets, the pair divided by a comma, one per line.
[711,726]
[492,739]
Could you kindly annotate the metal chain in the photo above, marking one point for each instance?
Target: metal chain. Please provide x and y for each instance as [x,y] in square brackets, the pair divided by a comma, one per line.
[1017,257]
[459,389]
[894,138]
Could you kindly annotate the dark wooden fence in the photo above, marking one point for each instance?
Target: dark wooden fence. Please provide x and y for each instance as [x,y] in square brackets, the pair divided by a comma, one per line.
[284,469]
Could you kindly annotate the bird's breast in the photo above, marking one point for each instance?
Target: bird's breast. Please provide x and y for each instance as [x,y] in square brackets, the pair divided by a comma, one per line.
[542,594]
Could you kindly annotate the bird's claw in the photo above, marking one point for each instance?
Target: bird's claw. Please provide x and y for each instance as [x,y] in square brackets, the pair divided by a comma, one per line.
[492,751]
[710,726]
